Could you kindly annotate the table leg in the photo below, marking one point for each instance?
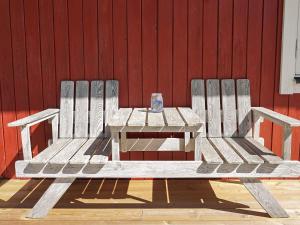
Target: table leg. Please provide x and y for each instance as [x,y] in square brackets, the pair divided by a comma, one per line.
[187,138]
[197,153]
[115,146]
[123,142]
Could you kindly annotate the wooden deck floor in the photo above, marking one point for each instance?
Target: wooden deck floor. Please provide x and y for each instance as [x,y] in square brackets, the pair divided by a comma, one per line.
[149,202]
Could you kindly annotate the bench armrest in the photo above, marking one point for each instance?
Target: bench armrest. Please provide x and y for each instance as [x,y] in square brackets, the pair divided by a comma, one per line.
[34,118]
[25,123]
[276,117]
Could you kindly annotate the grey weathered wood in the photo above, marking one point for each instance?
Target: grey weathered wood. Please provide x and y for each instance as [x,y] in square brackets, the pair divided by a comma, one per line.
[86,151]
[102,152]
[173,117]
[96,108]
[264,198]
[198,102]
[120,118]
[35,118]
[244,108]
[257,120]
[68,151]
[209,153]
[226,150]
[167,169]
[155,119]
[197,146]
[50,197]
[213,108]
[115,146]
[111,101]
[26,143]
[244,151]
[54,126]
[138,117]
[229,108]
[189,116]
[66,114]
[81,109]
[287,142]
[261,150]
[123,142]
[44,156]
[187,139]
[276,117]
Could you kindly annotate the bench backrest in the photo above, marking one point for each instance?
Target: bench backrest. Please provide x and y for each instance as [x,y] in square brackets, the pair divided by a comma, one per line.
[82,107]
[225,105]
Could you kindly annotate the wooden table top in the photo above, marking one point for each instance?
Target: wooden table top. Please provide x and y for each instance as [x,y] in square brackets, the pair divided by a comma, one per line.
[141,117]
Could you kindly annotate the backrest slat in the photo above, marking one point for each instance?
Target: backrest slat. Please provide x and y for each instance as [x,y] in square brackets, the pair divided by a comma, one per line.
[66,109]
[244,108]
[229,108]
[213,108]
[81,109]
[111,100]
[96,108]
[198,101]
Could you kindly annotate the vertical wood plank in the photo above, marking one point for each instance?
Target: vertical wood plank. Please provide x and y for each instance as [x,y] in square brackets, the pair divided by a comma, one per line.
[134,31]
[165,60]
[213,108]
[225,38]
[210,38]
[198,102]
[7,91]
[19,62]
[294,111]
[105,39]
[66,114]
[149,59]
[268,64]
[34,73]
[120,54]
[81,109]
[26,144]
[90,39]
[2,153]
[111,101]
[287,143]
[180,66]
[239,53]
[76,39]
[244,108]
[96,108]
[229,108]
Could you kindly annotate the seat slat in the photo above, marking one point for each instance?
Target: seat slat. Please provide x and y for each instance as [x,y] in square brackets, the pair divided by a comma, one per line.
[226,151]
[244,151]
[229,108]
[50,151]
[262,151]
[111,101]
[209,153]
[86,151]
[81,109]
[96,108]
[66,109]
[155,119]
[138,117]
[68,151]
[173,117]
[213,108]
[198,102]
[244,108]
[102,152]
[189,116]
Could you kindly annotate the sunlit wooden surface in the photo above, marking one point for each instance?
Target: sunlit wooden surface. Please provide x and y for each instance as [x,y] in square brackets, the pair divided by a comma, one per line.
[149,202]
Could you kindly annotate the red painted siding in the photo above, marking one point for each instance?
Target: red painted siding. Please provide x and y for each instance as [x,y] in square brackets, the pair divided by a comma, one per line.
[148,45]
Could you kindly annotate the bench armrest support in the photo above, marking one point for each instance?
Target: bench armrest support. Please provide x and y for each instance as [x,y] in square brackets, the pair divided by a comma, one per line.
[27,122]
[285,121]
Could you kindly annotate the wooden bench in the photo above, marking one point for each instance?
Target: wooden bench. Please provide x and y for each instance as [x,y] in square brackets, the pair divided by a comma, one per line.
[230,144]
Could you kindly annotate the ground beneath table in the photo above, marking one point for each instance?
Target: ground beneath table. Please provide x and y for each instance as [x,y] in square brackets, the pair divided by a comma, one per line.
[170,201]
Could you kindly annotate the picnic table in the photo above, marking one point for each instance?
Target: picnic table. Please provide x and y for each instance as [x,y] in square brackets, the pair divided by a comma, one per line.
[173,119]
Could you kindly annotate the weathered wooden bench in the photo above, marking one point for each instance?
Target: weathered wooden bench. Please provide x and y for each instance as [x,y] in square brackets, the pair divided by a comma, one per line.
[230,144]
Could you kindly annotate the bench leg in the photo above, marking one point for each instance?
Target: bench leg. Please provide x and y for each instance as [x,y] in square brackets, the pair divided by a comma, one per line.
[50,197]
[264,197]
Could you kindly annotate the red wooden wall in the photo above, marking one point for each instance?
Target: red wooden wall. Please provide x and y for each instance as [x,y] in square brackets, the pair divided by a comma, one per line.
[148,45]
